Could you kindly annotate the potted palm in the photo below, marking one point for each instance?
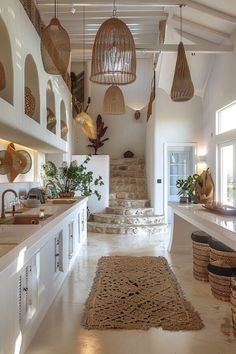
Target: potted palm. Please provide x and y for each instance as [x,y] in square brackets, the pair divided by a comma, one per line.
[187,187]
[67,179]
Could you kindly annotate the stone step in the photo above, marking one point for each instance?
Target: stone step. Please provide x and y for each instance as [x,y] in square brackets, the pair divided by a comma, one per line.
[127,220]
[130,211]
[119,173]
[128,161]
[130,203]
[125,229]
[128,180]
[128,195]
[128,188]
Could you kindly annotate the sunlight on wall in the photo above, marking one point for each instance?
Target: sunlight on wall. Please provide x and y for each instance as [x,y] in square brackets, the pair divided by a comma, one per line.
[18,344]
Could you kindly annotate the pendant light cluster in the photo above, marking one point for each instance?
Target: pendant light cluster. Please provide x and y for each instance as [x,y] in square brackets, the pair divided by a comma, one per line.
[182,88]
[113,61]
[55,46]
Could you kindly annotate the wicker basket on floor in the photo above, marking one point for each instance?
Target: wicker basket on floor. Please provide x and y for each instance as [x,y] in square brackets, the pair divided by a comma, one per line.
[220,273]
[233,301]
[221,252]
[201,255]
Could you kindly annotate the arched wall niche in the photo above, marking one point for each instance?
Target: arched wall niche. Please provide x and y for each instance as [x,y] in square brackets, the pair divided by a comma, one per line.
[6,64]
[52,120]
[32,97]
[63,121]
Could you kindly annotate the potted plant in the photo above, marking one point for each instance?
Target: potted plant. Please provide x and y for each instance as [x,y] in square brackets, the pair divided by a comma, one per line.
[187,187]
[67,179]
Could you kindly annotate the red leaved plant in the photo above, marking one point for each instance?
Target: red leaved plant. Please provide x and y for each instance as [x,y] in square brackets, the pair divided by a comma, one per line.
[101,130]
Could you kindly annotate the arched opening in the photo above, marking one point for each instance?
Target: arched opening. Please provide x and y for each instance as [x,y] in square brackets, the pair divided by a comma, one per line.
[6,65]
[51,112]
[64,128]
[32,97]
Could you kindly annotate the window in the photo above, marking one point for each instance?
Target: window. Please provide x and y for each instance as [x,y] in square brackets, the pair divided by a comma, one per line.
[226,118]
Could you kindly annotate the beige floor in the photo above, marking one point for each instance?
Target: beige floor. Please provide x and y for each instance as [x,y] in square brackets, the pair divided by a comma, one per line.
[61,333]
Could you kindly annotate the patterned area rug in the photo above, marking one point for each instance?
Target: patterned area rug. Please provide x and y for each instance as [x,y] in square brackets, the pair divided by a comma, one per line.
[138,293]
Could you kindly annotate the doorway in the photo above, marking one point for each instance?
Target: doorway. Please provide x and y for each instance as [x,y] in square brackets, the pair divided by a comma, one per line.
[179,164]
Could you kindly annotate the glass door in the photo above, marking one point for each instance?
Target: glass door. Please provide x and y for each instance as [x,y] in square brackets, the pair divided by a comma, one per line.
[227,173]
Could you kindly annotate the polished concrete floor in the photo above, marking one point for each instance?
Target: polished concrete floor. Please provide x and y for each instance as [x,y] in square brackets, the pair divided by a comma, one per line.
[61,332]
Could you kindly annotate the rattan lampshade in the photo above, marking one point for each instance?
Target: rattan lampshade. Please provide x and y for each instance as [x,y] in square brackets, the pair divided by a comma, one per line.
[114,101]
[114,55]
[182,87]
[55,48]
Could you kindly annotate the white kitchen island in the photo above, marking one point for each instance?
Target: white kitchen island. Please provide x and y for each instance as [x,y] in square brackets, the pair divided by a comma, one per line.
[34,262]
[187,218]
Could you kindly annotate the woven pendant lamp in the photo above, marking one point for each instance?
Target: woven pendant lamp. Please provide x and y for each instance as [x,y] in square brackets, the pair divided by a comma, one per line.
[114,55]
[114,102]
[55,47]
[182,88]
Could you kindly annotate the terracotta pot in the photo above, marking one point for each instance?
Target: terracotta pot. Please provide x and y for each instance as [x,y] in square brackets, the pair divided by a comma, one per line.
[66,194]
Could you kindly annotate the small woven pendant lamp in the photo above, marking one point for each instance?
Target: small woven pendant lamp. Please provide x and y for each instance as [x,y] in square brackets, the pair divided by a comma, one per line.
[114,55]
[55,47]
[114,102]
[182,88]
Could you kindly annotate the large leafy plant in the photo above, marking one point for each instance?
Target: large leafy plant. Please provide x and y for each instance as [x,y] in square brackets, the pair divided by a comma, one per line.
[101,130]
[72,177]
[188,186]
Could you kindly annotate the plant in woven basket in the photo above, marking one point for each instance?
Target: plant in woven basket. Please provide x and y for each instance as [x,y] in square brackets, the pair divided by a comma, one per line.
[70,178]
[101,130]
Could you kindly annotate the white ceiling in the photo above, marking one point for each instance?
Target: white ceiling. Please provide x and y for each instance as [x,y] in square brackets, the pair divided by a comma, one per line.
[204,20]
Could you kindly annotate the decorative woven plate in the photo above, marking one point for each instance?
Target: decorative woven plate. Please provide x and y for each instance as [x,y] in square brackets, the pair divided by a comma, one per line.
[226,210]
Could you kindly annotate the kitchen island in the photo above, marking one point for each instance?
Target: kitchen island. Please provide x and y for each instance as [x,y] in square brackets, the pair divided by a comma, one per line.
[189,217]
[34,261]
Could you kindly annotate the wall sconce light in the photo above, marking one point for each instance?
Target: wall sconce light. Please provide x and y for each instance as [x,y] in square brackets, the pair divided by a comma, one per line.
[137,115]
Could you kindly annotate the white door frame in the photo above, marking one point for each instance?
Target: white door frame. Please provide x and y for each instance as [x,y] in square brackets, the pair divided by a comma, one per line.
[165,169]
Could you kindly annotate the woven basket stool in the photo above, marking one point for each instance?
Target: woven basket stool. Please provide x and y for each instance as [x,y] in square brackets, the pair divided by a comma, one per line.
[201,254]
[233,301]
[220,274]
[221,252]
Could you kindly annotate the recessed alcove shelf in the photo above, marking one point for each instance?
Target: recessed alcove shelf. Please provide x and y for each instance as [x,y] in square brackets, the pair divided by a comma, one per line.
[21,58]
[64,125]
[50,109]
[6,61]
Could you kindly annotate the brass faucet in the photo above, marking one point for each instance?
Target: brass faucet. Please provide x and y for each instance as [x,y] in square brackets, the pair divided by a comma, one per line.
[3,197]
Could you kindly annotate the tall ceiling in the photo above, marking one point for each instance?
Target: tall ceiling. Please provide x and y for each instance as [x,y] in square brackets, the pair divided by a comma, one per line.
[205,22]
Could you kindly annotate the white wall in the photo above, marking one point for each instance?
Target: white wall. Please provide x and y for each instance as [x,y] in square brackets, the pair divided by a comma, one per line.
[172,123]
[124,132]
[221,90]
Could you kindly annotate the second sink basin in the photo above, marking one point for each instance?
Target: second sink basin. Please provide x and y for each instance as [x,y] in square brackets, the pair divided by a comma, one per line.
[24,220]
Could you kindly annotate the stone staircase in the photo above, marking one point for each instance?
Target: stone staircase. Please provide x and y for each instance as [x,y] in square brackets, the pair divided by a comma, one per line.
[129,209]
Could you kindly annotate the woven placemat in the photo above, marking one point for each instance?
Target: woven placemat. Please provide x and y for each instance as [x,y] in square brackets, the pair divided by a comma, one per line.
[138,293]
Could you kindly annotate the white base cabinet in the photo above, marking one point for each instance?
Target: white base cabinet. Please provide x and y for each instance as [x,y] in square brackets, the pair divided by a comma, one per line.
[31,282]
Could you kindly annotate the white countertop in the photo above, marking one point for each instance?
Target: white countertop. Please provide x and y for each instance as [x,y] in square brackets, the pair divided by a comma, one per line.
[15,238]
[222,227]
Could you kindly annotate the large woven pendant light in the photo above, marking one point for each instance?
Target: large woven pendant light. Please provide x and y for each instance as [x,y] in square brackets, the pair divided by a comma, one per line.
[55,47]
[114,102]
[114,55]
[182,88]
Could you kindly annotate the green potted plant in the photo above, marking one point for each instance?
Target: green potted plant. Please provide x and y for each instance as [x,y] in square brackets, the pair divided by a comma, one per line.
[67,179]
[187,187]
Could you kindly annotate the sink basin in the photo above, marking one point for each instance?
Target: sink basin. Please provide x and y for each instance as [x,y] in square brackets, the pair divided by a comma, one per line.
[24,220]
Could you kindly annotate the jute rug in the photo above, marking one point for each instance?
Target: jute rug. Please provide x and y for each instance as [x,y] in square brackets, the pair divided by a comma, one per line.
[138,293]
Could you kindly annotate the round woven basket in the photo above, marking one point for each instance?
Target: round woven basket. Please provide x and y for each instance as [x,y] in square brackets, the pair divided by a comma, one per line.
[221,252]
[201,255]
[51,119]
[233,301]
[220,279]
[29,102]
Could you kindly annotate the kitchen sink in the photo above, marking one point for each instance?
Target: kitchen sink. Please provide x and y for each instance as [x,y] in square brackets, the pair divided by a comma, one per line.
[24,220]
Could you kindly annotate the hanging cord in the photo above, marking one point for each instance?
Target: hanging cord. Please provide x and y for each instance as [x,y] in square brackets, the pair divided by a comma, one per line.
[181,23]
[114,8]
[56,8]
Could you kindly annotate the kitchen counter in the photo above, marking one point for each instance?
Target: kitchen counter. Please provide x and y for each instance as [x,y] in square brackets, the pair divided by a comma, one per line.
[15,239]
[190,217]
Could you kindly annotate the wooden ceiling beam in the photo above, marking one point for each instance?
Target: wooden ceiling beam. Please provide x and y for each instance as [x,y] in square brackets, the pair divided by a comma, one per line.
[156,3]
[210,11]
[194,48]
[193,38]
